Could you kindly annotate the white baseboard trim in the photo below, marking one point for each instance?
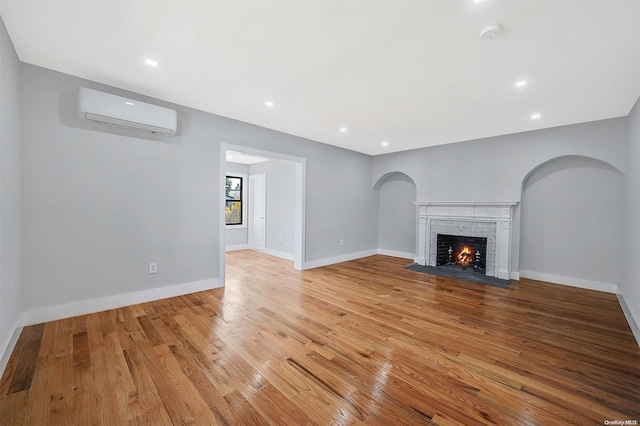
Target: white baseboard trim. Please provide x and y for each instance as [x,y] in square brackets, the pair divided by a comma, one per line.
[515,275]
[277,253]
[9,345]
[633,324]
[570,281]
[394,253]
[237,247]
[338,259]
[53,313]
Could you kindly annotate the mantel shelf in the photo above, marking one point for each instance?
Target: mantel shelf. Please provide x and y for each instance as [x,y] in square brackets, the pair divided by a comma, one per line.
[466,203]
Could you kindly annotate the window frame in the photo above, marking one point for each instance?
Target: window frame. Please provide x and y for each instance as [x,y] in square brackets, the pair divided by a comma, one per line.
[243,199]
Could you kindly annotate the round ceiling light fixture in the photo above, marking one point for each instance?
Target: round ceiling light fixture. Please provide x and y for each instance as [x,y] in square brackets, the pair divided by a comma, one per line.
[490,32]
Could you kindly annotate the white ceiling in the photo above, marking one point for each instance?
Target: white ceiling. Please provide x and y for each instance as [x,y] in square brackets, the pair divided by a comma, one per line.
[242,158]
[412,73]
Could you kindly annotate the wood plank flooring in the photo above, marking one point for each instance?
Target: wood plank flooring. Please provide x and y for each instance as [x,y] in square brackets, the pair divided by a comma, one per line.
[362,342]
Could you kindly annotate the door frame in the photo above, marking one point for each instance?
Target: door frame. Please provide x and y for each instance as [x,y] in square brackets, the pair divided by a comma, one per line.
[299,202]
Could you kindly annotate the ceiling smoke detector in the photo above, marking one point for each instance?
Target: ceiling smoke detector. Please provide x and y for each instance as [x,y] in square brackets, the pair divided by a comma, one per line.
[490,32]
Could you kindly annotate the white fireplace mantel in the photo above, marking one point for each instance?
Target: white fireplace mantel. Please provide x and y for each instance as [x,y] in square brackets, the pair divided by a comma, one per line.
[490,220]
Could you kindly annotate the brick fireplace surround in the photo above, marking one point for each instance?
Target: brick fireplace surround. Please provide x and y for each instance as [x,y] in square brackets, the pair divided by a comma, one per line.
[488,220]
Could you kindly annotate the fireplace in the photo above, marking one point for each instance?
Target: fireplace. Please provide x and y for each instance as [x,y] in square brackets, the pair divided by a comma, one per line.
[489,223]
[458,251]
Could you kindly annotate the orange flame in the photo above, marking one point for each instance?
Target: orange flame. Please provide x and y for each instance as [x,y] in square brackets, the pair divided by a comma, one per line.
[465,256]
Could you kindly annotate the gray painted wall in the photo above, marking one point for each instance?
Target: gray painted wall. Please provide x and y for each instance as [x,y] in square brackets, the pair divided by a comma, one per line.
[397,215]
[630,285]
[100,203]
[280,194]
[571,220]
[10,220]
[238,236]
[494,169]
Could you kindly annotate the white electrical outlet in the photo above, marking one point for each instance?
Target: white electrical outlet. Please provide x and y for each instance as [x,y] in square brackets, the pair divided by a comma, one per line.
[279,240]
[341,243]
[153,268]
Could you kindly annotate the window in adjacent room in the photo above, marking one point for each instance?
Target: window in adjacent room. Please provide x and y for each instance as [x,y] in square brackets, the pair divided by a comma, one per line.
[235,214]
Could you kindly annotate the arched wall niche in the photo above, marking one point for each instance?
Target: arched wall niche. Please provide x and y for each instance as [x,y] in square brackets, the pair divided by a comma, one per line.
[395,175]
[571,222]
[565,162]
[396,215]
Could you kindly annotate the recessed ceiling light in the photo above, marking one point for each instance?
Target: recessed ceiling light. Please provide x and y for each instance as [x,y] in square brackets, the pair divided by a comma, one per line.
[521,83]
[343,129]
[151,63]
[535,116]
[269,104]
[129,103]
[385,143]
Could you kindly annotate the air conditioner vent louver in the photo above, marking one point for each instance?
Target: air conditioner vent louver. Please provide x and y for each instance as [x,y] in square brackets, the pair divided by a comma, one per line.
[126,113]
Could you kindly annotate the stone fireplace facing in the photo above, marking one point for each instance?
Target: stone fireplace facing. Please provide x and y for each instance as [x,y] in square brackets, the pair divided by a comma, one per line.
[471,230]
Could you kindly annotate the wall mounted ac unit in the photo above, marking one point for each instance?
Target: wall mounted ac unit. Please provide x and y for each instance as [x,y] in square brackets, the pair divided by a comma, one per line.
[115,110]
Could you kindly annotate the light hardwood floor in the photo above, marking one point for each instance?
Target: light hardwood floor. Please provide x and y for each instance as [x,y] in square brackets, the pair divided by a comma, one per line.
[359,342]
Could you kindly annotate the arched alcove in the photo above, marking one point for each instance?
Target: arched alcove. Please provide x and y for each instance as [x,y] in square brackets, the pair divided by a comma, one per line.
[385,177]
[571,222]
[397,214]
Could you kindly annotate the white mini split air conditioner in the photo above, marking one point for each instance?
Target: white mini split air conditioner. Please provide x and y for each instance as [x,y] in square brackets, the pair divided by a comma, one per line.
[115,110]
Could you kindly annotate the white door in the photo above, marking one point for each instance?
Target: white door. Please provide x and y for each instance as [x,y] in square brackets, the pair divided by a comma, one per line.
[257,205]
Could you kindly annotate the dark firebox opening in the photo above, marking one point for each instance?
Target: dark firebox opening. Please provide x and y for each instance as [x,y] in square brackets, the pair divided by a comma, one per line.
[462,252]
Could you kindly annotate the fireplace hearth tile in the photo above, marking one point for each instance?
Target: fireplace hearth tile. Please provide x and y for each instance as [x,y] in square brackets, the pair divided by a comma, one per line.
[468,275]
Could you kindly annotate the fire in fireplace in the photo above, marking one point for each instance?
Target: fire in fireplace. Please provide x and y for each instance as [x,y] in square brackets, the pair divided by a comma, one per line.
[461,251]
[465,257]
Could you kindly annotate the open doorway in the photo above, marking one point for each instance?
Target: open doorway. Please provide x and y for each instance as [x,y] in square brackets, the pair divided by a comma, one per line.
[262,199]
